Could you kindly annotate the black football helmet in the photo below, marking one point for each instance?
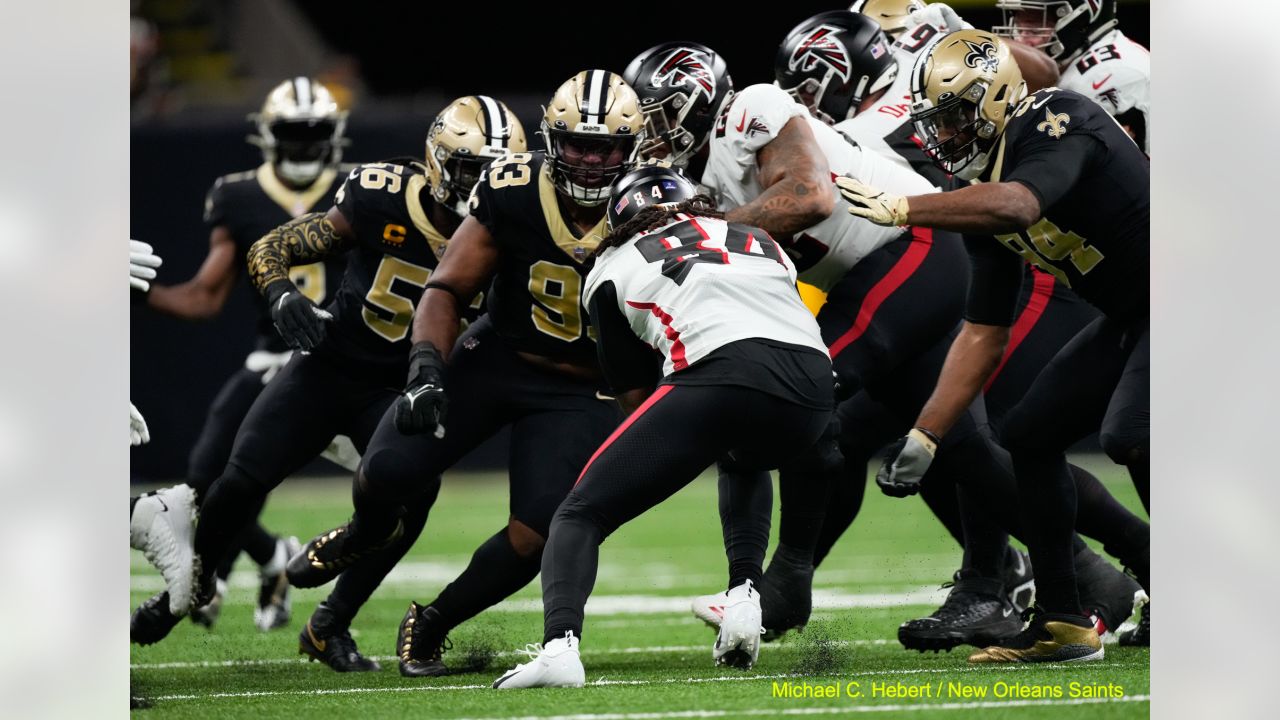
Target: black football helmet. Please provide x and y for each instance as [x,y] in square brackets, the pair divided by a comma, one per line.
[833,60]
[1064,29]
[645,187]
[683,87]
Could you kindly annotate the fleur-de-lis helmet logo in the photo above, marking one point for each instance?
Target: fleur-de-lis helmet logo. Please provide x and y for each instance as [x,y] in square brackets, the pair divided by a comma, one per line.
[983,54]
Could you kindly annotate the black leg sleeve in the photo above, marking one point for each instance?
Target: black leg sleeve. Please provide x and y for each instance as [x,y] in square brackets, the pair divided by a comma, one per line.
[495,573]
[746,507]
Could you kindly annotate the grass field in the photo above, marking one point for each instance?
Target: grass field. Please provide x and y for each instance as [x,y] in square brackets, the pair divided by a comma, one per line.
[645,655]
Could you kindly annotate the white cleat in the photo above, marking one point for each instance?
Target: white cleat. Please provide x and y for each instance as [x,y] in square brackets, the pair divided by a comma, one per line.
[274,605]
[738,644]
[556,665]
[162,526]
[710,608]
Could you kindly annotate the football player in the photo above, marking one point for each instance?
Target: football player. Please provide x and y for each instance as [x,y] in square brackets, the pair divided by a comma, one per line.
[393,220]
[300,131]
[1096,59]
[1049,315]
[535,219]
[745,377]
[1064,188]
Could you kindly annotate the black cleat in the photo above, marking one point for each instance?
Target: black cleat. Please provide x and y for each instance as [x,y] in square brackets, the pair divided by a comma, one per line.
[207,615]
[420,643]
[1019,579]
[976,612]
[152,621]
[1107,594]
[1140,636]
[321,639]
[786,593]
[328,554]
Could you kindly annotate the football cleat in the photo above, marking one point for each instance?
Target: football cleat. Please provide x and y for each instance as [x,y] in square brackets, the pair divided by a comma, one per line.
[558,664]
[1049,637]
[274,606]
[1140,635]
[1019,579]
[738,644]
[420,643]
[710,608]
[162,525]
[207,614]
[326,555]
[1108,595]
[152,621]
[786,594]
[976,612]
[324,640]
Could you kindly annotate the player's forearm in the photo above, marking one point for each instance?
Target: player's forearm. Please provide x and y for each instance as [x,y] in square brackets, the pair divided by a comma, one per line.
[190,300]
[795,202]
[973,356]
[305,239]
[987,208]
[436,320]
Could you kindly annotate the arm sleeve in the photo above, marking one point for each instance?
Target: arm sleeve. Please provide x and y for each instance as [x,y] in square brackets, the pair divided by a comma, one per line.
[995,282]
[215,205]
[347,197]
[627,362]
[481,204]
[1050,167]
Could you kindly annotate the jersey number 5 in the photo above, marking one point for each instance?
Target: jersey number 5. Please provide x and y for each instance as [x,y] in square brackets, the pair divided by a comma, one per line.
[387,312]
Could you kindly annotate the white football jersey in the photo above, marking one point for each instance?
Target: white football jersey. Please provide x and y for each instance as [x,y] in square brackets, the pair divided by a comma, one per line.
[700,283]
[1115,72]
[833,246]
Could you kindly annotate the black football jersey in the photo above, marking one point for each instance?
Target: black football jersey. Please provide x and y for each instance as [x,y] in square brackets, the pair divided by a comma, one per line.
[395,251]
[253,203]
[1093,184]
[535,302]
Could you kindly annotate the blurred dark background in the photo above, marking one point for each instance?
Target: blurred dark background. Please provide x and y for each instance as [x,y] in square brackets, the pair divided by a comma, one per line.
[200,66]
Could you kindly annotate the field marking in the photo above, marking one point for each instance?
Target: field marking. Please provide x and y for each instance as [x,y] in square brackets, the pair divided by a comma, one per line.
[993,669]
[177,665]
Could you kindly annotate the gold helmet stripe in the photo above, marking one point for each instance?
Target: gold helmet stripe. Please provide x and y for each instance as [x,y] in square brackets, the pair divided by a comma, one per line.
[593,99]
[495,123]
[302,91]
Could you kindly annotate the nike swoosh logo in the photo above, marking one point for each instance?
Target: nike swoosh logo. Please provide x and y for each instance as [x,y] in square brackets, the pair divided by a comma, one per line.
[1100,82]
[743,122]
[1043,100]
[320,644]
[1008,612]
[602,396]
[161,501]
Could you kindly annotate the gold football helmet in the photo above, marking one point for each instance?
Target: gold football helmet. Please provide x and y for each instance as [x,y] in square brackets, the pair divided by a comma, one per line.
[894,16]
[465,136]
[593,129]
[300,130]
[963,91]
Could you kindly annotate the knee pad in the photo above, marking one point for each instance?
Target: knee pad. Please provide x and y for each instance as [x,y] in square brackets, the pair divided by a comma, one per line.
[387,468]
[577,509]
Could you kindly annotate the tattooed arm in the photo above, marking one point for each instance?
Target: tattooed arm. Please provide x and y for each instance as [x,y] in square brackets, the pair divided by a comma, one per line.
[797,182]
[304,239]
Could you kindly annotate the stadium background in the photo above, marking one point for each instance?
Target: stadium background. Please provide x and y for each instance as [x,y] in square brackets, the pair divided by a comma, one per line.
[199,67]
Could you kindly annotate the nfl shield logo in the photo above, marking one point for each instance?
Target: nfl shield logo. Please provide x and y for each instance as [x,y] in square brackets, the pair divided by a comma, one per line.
[579,253]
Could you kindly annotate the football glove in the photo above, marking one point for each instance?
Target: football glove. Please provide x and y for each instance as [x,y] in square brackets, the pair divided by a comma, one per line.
[138,433]
[941,16]
[298,320]
[423,406]
[906,462]
[875,205]
[142,265]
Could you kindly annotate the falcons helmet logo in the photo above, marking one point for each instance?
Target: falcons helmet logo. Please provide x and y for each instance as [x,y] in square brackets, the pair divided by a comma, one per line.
[686,66]
[820,46]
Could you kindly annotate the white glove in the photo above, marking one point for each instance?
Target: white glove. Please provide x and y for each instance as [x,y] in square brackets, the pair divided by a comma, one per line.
[875,205]
[142,264]
[138,433]
[342,452]
[941,16]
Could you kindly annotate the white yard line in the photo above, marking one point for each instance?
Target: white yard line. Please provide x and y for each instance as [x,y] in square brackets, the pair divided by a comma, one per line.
[603,682]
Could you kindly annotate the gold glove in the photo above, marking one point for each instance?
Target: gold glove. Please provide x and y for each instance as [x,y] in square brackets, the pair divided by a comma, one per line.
[875,205]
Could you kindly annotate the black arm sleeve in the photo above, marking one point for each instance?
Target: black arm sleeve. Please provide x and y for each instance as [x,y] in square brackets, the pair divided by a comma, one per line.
[628,363]
[1050,168]
[995,281]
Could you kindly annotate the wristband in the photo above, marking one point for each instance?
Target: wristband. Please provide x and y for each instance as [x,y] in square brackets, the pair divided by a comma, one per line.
[925,438]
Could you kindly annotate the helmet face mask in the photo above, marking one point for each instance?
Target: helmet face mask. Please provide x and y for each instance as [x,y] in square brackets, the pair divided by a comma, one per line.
[833,61]
[683,87]
[593,129]
[300,130]
[469,133]
[590,163]
[954,136]
[1063,29]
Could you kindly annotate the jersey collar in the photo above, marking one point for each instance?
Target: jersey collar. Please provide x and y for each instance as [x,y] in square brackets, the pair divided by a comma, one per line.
[418,215]
[578,248]
[294,202]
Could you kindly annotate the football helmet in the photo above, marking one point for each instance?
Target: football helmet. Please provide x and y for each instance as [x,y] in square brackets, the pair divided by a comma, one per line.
[592,128]
[683,87]
[894,16]
[833,60]
[963,91]
[466,135]
[645,187]
[1064,29]
[300,130]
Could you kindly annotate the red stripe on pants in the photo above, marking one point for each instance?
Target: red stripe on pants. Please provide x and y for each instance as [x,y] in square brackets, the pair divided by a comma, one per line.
[1041,291]
[921,241]
[653,399]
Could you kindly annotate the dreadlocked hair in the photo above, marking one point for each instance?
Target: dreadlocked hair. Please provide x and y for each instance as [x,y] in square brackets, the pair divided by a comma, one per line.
[655,216]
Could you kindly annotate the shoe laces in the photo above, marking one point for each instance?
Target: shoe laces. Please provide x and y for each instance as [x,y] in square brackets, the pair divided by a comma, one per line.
[531,650]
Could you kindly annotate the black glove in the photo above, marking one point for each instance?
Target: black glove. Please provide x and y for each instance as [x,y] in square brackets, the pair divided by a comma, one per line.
[298,320]
[422,407]
[906,462]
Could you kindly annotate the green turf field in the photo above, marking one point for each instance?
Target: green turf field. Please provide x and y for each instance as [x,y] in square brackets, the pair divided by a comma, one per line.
[645,655]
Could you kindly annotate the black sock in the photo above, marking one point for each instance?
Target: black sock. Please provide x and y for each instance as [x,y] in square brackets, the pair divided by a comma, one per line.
[844,501]
[232,503]
[495,573]
[986,543]
[569,565]
[746,504]
[1048,499]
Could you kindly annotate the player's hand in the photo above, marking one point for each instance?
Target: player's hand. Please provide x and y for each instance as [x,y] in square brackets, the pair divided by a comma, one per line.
[142,265]
[299,321]
[941,15]
[138,433]
[905,464]
[423,406]
[875,205]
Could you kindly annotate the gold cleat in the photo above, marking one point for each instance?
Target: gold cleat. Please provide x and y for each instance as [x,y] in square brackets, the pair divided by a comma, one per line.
[1050,637]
